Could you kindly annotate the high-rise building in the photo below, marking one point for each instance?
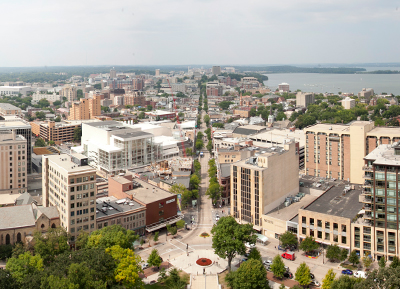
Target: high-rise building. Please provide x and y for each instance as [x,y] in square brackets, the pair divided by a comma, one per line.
[283,87]
[348,103]
[22,128]
[157,72]
[216,70]
[70,92]
[85,108]
[113,73]
[69,184]
[13,162]
[304,98]
[260,184]
[366,93]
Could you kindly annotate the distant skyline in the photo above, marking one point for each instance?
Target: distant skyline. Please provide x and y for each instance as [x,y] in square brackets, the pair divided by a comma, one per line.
[179,32]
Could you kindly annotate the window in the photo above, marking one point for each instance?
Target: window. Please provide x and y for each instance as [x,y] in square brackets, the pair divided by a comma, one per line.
[335,226]
[92,194]
[344,240]
[312,221]
[319,234]
[72,197]
[72,205]
[303,220]
[319,223]
[343,228]
[327,225]
[327,236]
[72,213]
[304,231]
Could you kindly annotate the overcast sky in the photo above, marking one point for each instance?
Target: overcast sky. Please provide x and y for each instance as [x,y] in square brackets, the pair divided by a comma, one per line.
[163,32]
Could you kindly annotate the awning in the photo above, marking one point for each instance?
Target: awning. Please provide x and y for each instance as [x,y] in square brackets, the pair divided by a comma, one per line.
[262,238]
[361,212]
[257,228]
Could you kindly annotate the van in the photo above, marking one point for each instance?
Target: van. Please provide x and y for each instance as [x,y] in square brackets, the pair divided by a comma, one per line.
[360,274]
[288,255]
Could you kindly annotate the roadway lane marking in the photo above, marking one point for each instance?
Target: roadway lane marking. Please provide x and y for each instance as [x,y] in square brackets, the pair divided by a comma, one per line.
[183,243]
[176,246]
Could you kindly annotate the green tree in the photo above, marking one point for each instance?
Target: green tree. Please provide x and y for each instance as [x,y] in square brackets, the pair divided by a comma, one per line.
[24,265]
[209,146]
[343,254]
[281,116]
[174,281]
[344,282]
[333,253]
[154,258]
[309,244]
[194,181]
[128,268]
[51,143]
[97,86]
[354,258]
[189,152]
[56,103]
[155,238]
[382,262]
[110,236]
[79,94]
[229,238]
[57,119]
[302,274]
[149,107]
[6,251]
[141,115]
[51,244]
[278,267]
[40,115]
[180,224]
[43,103]
[214,192]
[77,134]
[199,144]
[172,229]
[288,239]
[207,120]
[251,274]
[18,249]
[177,189]
[218,125]
[395,263]
[7,280]
[40,143]
[383,278]
[225,104]
[255,254]
[327,281]
[82,240]
[367,261]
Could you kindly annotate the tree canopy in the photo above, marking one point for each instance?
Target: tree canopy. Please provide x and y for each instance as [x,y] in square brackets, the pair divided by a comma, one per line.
[303,274]
[110,236]
[251,274]
[278,267]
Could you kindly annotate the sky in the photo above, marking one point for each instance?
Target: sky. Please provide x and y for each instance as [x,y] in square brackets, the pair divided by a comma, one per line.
[203,32]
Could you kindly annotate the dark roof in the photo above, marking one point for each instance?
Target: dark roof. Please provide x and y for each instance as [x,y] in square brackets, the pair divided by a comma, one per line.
[134,134]
[225,170]
[247,131]
[104,123]
[113,208]
[334,202]
[178,180]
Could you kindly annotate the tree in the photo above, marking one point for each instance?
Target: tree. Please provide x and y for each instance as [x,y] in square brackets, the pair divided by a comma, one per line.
[172,229]
[209,146]
[383,278]
[281,116]
[308,244]
[278,267]
[110,236]
[53,243]
[177,189]
[327,281]
[367,261]
[6,251]
[207,119]
[82,240]
[288,239]
[51,142]
[7,281]
[44,103]
[154,259]
[214,192]
[56,103]
[344,282]
[79,94]
[395,263]
[194,181]
[343,254]
[19,248]
[57,119]
[225,104]
[229,238]
[303,274]
[189,152]
[251,274]
[199,144]
[127,270]
[354,258]
[382,262]
[174,281]
[40,115]
[77,134]
[180,224]
[218,125]
[141,115]
[24,265]
[97,86]
[255,254]
[333,253]
[40,142]
[155,238]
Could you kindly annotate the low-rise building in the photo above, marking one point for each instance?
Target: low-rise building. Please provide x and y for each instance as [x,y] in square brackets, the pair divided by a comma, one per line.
[9,109]
[15,90]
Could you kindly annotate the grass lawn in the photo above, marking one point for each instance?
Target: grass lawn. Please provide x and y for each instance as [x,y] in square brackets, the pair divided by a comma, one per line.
[154,286]
[351,267]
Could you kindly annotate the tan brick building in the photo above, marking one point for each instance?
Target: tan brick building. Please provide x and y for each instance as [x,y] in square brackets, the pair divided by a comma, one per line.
[85,108]
[69,184]
[13,162]
[59,132]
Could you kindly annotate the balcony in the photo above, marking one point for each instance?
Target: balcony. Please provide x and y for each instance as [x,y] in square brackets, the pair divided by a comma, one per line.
[368,216]
[368,176]
[365,199]
[366,192]
[367,168]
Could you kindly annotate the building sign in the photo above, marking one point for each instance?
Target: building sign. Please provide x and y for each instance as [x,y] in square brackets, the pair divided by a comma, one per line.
[170,201]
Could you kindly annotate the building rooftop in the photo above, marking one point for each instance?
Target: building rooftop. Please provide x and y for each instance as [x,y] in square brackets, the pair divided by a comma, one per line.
[252,162]
[64,161]
[289,212]
[385,131]
[147,193]
[249,129]
[225,170]
[108,206]
[178,180]
[10,122]
[16,217]
[8,106]
[159,112]
[133,134]
[324,127]
[335,202]
[278,136]
[385,155]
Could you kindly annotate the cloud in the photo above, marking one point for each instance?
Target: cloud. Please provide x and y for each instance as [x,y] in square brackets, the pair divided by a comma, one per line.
[39,33]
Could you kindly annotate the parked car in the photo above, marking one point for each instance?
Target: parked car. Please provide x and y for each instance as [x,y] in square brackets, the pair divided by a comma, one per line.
[267,262]
[360,274]
[347,272]
[315,283]
[312,276]
[250,246]
[288,275]
[217,218]
[288,255]
[245,259]
[145,266]
[281,248]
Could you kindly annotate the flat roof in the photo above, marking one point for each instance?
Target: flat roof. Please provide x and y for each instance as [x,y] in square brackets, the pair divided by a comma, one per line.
[335,202]
[64,161]
[324,127]
[385,131]
[148,193]
[279,135]
[384,155]
[108,206]
[9,106]
[133,134]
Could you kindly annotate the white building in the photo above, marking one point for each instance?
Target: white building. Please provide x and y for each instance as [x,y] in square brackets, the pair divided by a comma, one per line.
[348,103]
[49,97]
[283,87]
[15,90]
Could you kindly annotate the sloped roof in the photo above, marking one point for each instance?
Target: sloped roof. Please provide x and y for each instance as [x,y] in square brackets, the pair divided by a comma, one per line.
[16,217]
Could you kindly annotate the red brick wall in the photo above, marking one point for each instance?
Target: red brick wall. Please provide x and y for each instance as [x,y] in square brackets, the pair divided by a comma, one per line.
[346,156]
[153,210]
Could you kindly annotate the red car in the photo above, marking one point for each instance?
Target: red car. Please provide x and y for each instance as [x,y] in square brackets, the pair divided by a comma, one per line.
[288,255]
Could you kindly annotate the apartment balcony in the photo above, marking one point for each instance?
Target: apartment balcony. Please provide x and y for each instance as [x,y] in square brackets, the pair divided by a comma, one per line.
[368,176]
[368,207]
[365,199]
[366,193]
[367,168]
[368,216]
[367,247]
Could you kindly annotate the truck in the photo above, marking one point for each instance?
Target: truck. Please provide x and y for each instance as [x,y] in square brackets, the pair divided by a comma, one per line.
[201,154]
[288,255]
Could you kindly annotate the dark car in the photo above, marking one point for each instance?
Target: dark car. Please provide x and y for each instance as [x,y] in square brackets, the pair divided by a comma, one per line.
[312,276]
[347,272]
[281,248]
[244,259]
[288,275]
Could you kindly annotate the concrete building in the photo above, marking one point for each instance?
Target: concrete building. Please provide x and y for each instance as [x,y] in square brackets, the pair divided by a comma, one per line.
[112,148]
[9,109]
[283,87]
[15,90]
[69,184]
[119,100]
[337,151]
[161,114]
[19,223]
[216,70]
[13,162]
[70,92]
[366,93]
[85,108]
[22,128]
[348,103]
[260,184]
[304,99]
[157,72]
[113,73]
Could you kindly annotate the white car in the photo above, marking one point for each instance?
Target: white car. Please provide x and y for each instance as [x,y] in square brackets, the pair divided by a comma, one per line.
[315,283]
[249,246]
[217,218]
[268,262]
[145,266]
[359,274]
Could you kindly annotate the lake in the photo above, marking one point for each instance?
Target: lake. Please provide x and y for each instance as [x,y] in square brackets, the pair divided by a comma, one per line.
[321,82]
